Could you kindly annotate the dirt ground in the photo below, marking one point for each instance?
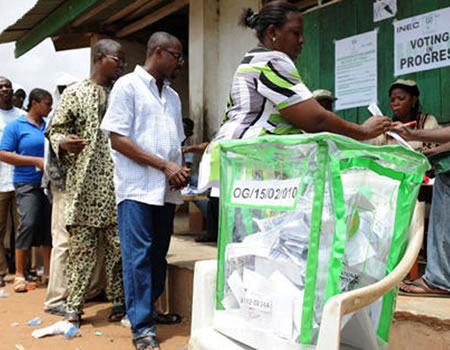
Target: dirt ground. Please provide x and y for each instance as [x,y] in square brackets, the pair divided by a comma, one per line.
[21,308]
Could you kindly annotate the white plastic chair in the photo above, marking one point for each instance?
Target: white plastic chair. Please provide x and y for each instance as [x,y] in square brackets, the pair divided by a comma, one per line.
[204,337]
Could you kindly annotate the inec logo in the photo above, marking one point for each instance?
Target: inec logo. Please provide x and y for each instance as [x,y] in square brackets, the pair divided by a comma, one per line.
[407,27]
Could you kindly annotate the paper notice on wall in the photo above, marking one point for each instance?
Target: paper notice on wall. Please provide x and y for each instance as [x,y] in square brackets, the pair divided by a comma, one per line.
[356,70]
[422,42]
[383,9]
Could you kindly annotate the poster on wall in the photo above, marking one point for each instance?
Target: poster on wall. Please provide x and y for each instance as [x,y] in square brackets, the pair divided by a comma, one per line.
[383,9]
[422,42]
[356,70]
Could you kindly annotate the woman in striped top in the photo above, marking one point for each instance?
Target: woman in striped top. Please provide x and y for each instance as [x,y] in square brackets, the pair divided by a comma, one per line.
[268,95]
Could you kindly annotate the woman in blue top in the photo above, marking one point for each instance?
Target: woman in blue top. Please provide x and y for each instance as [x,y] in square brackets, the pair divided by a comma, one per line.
[22,145]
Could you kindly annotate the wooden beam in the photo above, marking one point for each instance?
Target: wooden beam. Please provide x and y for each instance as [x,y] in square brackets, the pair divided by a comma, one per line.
[91,13]
[306,3]
[72,41]
[125,11]
[142,10]
[62,16]
[306,6]
[152,18]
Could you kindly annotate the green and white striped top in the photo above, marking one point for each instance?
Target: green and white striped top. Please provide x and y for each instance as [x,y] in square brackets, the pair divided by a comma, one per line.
[265,82]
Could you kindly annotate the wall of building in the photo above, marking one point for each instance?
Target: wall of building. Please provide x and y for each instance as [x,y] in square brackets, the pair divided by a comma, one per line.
[316,64]
[216,46]
[181,86]
[199,34]
[234,42]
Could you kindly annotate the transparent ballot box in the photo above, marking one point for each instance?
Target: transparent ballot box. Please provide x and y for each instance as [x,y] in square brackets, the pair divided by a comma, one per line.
[304,218]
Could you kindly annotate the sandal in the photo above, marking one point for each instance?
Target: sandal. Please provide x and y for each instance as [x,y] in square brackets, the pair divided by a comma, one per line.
[19,284]
[420,288]
[31,276]
[117,313]
[59,310]
[169,318]
[146,343]
[74,318]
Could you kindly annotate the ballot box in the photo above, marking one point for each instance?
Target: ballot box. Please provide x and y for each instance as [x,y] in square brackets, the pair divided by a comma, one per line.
[302,219]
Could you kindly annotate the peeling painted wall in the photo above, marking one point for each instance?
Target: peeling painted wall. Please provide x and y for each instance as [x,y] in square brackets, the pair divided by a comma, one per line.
[216,46]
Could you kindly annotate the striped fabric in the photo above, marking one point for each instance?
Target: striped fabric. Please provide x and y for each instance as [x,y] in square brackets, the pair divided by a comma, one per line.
[265,82]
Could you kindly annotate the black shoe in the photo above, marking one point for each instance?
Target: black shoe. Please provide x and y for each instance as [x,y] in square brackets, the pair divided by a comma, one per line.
[170,318]
[31,276]
[59,310]
[205,238]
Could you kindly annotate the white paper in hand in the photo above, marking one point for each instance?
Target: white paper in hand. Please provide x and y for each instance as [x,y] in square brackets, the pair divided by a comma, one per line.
[374,109]
[399,139]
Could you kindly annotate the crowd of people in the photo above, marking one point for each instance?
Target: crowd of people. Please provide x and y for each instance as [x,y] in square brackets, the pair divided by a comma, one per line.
[89,201]
[98,180]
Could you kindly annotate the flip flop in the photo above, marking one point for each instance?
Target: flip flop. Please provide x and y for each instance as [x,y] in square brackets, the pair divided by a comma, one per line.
[169,318]
[74,318]
[428,292]
[20,284]
[146,343]
[408,282]
[117,313]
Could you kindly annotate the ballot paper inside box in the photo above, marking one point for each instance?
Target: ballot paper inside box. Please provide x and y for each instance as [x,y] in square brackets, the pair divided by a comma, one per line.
[303,218]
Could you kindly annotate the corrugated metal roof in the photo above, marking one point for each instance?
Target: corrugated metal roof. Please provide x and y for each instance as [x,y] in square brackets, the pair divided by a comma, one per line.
[65,19]
[29,20]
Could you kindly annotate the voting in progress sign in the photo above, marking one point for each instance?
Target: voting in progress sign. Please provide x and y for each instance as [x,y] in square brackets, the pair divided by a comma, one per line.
[422,42]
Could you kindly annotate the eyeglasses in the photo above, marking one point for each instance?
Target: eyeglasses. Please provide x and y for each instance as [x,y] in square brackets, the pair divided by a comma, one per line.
[118,60]
[178,56]
[5,86]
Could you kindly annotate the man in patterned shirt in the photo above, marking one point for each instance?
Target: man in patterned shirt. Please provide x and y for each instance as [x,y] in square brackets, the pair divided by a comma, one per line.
[90,208]
[54,180]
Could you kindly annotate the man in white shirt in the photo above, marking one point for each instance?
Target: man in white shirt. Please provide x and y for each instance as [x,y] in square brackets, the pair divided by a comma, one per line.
[7,198]
[144,123]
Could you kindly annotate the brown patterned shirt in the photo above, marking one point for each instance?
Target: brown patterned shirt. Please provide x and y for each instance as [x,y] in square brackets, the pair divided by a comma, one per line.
[89,184]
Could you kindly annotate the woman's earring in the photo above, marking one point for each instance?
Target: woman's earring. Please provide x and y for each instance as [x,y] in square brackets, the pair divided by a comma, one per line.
[274,39]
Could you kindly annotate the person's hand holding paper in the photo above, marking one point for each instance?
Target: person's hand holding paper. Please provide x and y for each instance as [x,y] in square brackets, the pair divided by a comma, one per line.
[393,129]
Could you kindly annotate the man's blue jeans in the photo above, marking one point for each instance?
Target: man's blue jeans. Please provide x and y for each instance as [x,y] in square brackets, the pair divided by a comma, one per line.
[145,232]
[437,272]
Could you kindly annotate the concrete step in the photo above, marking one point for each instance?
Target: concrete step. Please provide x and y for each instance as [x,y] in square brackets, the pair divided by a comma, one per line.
[183,253]
[421,323]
